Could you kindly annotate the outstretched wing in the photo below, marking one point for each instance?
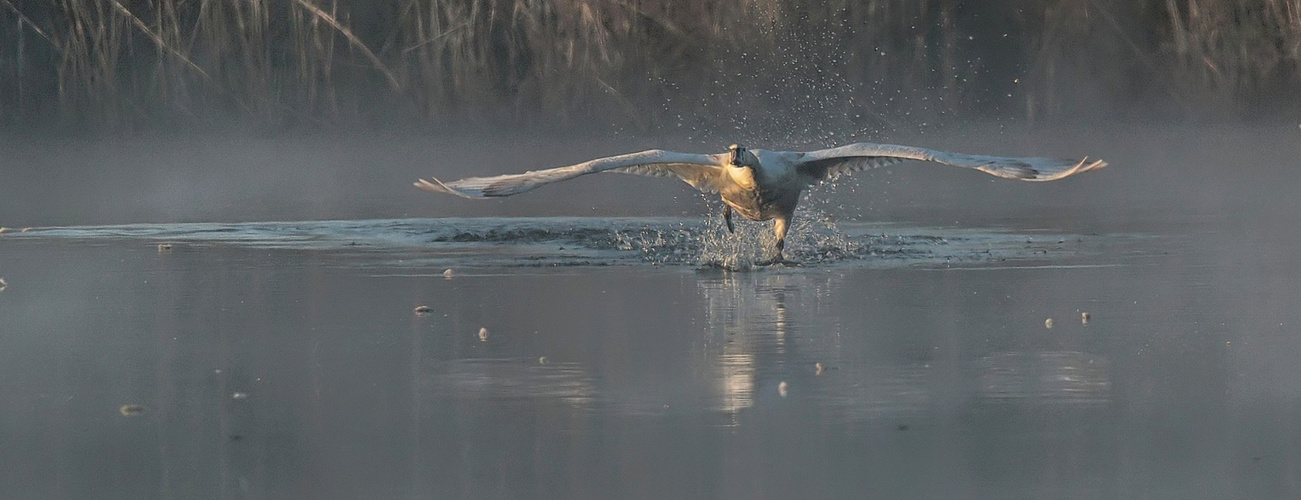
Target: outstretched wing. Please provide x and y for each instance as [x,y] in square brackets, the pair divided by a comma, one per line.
[705,172]
[831,163]
[707,178]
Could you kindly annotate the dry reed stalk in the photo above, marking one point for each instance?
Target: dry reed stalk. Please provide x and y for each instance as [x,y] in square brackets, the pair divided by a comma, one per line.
[245,39]
[89,60]
[228,38]
[352,39]
[1229,55]
[23,19]
[505,59]
[313,52]
[21,56]
[157,39]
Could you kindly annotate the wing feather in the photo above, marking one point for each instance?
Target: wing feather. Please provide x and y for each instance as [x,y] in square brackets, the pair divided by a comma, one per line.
[830,163]
[706,178]
[705,172]
[832,168]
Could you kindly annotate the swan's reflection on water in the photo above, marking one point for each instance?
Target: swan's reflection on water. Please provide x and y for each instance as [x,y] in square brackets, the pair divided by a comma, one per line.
[745,333]
[738,315]
[769,327]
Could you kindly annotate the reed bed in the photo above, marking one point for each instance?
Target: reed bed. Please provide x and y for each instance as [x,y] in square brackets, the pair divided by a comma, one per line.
[644,63]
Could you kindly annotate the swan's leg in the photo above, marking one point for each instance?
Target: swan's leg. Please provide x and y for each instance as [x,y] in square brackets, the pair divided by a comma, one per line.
[780,225]
[727,216]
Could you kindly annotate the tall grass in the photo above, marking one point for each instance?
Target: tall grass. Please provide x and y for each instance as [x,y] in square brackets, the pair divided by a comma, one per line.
[1237,49]
[640,62]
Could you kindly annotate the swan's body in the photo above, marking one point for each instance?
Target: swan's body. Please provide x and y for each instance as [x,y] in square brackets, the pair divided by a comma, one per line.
[760,184]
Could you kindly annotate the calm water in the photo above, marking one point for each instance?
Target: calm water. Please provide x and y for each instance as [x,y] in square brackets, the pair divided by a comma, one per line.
[623,359]
[285,360]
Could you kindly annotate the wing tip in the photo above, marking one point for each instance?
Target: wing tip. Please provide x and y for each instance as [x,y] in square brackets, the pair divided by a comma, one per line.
[1097,164]
[1084,165]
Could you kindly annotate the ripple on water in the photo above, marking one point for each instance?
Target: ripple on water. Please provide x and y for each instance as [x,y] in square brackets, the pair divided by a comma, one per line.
[582,241]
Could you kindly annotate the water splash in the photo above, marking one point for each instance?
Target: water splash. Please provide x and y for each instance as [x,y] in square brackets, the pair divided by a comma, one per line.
[813,238]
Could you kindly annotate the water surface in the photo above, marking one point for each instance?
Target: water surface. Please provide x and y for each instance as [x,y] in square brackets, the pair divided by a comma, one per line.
[646,357]
[622,359]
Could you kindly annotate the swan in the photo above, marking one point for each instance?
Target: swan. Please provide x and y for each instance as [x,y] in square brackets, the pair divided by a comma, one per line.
[760,184]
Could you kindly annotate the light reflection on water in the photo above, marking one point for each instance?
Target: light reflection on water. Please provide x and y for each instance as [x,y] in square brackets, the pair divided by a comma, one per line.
[1056,377]
[569,383]
[658,380]
[752,341]
[757,341]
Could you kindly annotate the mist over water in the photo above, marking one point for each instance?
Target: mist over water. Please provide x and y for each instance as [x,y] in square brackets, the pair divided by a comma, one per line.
[227,286]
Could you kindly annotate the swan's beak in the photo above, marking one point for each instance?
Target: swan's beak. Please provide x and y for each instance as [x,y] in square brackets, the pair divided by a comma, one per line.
[735,156]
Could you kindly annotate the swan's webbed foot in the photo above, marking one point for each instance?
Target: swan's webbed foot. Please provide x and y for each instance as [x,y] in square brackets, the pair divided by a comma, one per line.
[780,258]
[778,261]
[727,216]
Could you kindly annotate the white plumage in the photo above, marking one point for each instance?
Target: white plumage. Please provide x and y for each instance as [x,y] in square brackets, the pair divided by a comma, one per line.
[761,184]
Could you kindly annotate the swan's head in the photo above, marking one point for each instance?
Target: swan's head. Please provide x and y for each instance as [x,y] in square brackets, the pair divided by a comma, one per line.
[741,157]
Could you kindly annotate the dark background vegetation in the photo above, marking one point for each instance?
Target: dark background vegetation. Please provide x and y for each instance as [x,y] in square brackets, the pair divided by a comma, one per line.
[638,64]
